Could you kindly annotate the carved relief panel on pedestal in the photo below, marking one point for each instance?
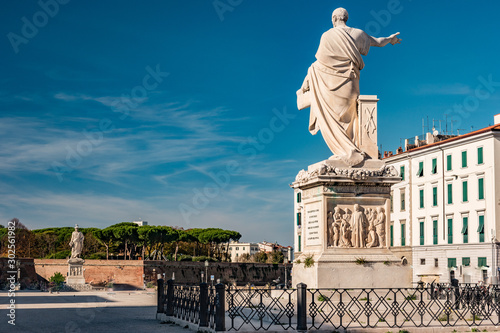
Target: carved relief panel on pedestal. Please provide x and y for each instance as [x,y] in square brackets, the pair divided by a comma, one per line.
[356,226]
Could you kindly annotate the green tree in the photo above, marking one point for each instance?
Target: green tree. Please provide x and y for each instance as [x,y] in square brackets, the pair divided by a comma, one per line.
[276,257]
[260,257]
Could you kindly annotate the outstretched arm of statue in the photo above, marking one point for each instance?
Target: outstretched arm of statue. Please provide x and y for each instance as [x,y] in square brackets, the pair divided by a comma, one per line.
[383,41]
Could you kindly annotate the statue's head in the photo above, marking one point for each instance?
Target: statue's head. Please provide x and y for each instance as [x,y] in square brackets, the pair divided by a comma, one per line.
[339,14]
[76,227]
[357,208]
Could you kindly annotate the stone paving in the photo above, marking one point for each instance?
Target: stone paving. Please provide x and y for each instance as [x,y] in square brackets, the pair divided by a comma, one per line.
[78,312]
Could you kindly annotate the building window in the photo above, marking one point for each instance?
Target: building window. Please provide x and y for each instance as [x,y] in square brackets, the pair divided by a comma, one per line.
[450,231]
[392,235]
[422,241]
[392,202]
[480,228]
[300,244]
[448,162]
[452,262]
[436,262]
[403,201]
[434,196]
[466,261]
[422,261]
[299,197]
[403,236]
[237,249]
[465,229]
[480,155]
[481,262]
[299,219]
[243,248]
[465,196]
[421,196]
[420,172]
[450,193]
[435,232]
[434,166]
[480,185]
[402,172]
[464,159]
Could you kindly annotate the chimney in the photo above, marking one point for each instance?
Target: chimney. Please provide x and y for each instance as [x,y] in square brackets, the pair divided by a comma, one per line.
[497,119]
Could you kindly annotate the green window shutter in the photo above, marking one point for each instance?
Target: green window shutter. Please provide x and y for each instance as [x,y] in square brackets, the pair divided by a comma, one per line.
[465,230]
[403,201]
[403,235]
[466,261]
[402,172]
[465,197]
[450,193]
[435,232]
[480,228]
[452,262]
[450,231]
[482,262]
[434,196]
[421,198]
[420,172]
[392,235]
[421,233]
[464,159]
[299,219]
[392,202]
[434,165]
[300,244]
[480,155]
[480,183]
[448,163]
[299,197]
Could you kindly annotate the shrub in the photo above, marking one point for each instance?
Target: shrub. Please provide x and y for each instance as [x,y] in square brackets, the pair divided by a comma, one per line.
[411,297]
[322,298]
[260,257]
[59,255]
[97,256]
[57,278]
[204,258]
[361,261]
[185,258]
[309,261]
[150,285]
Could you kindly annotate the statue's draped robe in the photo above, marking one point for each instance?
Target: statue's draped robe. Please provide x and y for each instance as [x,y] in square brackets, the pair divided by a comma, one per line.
[333,82]
[76,244]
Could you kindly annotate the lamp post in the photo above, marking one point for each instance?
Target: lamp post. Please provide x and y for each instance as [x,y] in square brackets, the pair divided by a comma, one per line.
[206,271]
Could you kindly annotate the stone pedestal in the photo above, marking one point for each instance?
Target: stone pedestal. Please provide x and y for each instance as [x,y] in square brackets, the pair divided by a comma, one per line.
[342,227]
[75,273]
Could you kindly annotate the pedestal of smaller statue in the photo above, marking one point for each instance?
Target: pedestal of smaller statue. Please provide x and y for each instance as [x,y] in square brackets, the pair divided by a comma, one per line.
[75,273]
[342,227]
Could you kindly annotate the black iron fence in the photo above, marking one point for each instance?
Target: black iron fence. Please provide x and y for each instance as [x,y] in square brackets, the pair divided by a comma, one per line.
[222,308]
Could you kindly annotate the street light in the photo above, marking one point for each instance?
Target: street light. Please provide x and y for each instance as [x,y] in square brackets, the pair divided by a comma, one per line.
[206,271]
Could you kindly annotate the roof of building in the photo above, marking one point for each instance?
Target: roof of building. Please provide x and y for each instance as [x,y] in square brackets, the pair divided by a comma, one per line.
[458,137]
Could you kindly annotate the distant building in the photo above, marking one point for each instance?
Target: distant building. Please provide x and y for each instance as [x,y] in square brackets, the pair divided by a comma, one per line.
[141,223]
[237,249]
[270,247]
[446,206]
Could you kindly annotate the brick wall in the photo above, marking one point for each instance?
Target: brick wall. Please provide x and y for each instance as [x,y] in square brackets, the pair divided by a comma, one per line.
[127,272]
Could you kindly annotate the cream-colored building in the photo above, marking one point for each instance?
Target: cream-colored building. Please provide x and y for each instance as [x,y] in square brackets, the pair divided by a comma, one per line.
[237,249]
[447,206]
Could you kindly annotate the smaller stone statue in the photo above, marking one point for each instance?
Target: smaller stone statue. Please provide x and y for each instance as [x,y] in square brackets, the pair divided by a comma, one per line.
[380,226]
[337,221]
[76,243]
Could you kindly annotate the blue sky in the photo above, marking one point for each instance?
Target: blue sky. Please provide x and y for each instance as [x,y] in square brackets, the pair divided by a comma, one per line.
[184,114]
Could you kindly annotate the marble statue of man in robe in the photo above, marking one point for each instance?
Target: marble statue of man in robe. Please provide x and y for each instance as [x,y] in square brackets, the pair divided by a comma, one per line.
[331,87]
[76,243]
